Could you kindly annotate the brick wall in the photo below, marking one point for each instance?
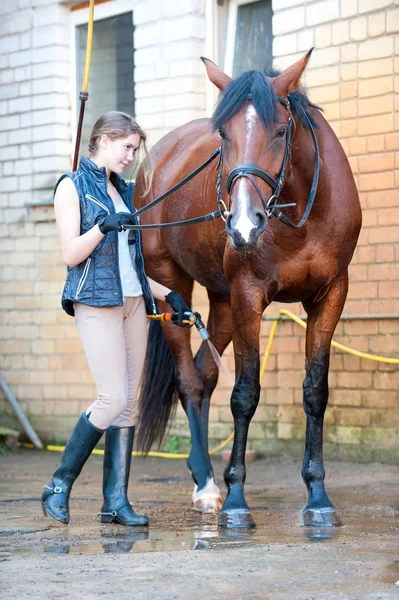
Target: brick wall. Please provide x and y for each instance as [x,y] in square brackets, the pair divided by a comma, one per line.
[353,75]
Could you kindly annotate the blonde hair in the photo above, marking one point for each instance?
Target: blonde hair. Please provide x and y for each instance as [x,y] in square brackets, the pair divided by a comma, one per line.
[116,124]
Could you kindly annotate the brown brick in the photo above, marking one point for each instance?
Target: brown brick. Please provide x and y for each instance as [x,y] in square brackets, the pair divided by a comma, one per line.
[357,273]
[339,397]
[55,392]
[349,128]
[376,124]
[13,347]
[389,289]
[66,407]
[360,327]
[377,105]
[64,376]
[370,218]
[364,290]
[26,332]
[348,72]
[366,254]
[376,68]
[348,109]
[384,345]
[42,347]
[383,272]
[38,377]
[376,163]
[385,254]
[384,306]
[385,381]
[376,48]
[379,399]
[388,216]
[378,86]
[388,325]
[352,416]
[382,199]
[376,181]
[375,143]
[348,90]
[355,380]
[357,146]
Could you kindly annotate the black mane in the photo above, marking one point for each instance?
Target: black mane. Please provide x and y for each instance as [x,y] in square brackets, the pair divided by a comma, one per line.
[255,86]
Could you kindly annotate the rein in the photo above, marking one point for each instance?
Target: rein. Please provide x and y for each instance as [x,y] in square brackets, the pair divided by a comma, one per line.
[208,217]
[247,170]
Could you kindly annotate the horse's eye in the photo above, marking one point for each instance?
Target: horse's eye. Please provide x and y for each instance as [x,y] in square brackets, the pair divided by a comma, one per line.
[282,132]
[222,133]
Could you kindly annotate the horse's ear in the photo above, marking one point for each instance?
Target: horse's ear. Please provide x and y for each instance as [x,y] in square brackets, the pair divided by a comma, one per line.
[288,80]
[216,75]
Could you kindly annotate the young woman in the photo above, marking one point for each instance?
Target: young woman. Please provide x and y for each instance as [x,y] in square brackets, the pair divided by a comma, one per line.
[108,293]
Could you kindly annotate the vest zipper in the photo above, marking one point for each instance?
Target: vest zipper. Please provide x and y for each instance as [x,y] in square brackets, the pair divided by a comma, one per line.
[93,199]
[83,277]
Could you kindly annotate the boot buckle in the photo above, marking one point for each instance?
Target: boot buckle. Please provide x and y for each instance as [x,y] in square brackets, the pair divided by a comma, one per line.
[57,489]
[108,514]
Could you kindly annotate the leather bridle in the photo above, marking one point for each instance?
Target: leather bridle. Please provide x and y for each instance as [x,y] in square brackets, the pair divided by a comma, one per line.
[250,171]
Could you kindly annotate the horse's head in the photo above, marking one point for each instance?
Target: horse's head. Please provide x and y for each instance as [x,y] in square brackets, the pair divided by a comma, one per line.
[254,120]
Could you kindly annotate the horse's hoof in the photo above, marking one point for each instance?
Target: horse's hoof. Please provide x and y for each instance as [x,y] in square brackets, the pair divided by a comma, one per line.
[237,518]
[208,499]
[208,505]
[321,517]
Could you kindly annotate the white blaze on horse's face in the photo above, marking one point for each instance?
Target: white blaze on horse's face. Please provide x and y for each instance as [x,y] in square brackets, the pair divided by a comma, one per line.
[244,215]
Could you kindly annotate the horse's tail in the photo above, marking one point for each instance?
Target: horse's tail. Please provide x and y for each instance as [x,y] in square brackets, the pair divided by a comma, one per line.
[158,396]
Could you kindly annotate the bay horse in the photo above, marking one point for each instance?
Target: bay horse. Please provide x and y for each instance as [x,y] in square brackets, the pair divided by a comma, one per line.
[278,157]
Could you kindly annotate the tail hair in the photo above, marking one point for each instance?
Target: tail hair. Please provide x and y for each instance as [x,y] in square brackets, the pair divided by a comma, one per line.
[158,396]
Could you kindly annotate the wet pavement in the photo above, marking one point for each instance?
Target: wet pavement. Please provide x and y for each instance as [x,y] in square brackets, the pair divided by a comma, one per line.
[184,553]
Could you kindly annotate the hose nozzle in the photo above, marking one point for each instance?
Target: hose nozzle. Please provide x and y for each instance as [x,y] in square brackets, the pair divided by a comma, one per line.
[202,330]
[192,318]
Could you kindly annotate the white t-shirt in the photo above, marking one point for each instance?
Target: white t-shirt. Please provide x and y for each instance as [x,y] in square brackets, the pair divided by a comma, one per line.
[130,282]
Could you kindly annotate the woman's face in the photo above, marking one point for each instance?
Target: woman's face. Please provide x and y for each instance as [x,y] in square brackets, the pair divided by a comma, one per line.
[119,153]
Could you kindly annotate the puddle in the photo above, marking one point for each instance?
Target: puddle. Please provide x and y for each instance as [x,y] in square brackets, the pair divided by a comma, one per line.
[173,532]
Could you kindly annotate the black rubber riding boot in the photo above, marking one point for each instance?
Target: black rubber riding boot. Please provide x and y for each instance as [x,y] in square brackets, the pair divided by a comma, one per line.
[117,459]
[81,443]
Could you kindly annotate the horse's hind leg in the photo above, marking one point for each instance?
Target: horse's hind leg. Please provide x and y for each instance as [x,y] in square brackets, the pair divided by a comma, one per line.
[323,317]
[219,328]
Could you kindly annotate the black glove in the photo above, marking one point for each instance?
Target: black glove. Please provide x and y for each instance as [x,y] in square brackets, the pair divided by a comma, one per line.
[115,222]
[179,306]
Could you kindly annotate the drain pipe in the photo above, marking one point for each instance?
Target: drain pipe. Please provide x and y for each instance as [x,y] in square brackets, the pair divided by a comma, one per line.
[20,413]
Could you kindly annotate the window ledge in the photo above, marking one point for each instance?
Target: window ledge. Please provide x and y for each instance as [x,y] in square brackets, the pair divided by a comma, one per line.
[41,211]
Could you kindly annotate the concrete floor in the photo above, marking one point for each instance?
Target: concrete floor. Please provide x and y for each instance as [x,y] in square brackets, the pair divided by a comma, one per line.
[184,554]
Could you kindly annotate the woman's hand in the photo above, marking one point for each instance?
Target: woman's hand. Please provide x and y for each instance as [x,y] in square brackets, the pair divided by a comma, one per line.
[115,222]
[179,305]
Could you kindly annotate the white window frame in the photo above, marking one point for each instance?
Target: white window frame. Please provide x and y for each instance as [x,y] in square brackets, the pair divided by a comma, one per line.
[80,17]
[231,33]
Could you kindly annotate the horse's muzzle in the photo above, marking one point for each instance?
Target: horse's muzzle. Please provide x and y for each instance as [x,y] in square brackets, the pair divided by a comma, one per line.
[245,235]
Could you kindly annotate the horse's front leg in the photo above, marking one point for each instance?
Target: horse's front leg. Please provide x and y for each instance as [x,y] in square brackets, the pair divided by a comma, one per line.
[208,498]
[247,308]
[323,317]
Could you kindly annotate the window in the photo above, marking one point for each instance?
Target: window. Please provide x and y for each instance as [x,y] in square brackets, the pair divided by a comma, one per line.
[249,37]
[111,79]
[253,44]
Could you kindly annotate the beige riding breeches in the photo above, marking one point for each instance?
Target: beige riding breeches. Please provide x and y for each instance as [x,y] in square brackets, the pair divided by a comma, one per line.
[114,340]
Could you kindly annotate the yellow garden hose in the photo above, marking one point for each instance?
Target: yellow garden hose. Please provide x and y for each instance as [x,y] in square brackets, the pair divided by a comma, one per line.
[299,321]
